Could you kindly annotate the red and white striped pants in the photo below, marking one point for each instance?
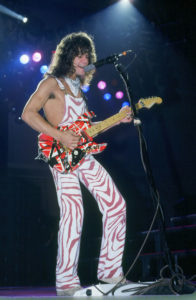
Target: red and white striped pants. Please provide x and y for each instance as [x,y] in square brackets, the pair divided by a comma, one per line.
[113,208]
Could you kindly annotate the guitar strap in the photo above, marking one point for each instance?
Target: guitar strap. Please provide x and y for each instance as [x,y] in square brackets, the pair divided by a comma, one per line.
[85,98]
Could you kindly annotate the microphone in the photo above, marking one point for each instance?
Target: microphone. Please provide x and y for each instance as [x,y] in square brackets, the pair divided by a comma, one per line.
[108,60]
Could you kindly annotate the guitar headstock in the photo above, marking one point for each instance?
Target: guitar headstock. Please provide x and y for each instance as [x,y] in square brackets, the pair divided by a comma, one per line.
[148,102]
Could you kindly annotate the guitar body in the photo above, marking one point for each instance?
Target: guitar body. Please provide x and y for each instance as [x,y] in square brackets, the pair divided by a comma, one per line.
[63,159]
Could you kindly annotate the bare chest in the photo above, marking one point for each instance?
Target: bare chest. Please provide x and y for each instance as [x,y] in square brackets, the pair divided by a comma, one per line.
[54,107]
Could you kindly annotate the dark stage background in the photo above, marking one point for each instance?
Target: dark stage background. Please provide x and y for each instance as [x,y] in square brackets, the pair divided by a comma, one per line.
[162,34]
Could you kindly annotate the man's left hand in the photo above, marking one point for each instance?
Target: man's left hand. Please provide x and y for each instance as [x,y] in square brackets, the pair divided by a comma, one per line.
[128,118]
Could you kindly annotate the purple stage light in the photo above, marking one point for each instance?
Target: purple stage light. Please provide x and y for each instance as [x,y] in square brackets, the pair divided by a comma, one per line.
[101,85]
[36,57]
[119,95]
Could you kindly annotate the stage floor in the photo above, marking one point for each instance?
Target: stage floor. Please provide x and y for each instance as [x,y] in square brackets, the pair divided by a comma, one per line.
[49,293]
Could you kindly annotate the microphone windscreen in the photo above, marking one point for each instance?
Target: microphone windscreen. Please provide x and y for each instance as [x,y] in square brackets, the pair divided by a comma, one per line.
[89,68]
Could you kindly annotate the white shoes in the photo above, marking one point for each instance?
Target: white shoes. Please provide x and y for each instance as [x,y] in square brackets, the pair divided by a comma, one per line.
[68,292]
[114,280]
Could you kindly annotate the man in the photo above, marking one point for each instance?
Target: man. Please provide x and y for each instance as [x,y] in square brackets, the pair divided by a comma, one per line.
[59,95]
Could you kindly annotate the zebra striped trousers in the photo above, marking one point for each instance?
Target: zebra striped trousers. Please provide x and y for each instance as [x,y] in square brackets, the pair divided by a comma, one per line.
[113,209]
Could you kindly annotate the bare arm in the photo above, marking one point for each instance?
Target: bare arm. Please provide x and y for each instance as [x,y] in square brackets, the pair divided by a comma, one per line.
[33,118]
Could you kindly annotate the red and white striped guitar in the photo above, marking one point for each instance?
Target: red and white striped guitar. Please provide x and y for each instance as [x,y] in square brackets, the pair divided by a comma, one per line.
[66,160]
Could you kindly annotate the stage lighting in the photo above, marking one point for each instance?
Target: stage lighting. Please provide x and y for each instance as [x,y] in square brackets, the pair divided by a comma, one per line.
[43,69]
[36,57]
[125,1]
[25,19]
[119,95]
[12,14]
[125,103]
[107,96]
[86,88]
[24,59]
[101,85]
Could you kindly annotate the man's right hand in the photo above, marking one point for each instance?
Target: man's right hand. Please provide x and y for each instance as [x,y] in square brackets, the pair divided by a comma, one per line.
[69,139]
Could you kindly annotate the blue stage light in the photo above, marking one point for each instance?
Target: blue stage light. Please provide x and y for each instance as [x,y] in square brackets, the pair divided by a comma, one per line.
[107,96]
[125,103]
[43,69]
[86,88]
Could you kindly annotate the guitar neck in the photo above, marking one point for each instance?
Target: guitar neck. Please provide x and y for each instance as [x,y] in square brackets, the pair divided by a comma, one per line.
[99,127]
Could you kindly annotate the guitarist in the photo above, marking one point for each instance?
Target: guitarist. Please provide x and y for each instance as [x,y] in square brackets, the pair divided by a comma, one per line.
[59,95]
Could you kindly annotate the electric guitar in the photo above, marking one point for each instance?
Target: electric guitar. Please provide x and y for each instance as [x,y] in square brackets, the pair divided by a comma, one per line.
[66,160]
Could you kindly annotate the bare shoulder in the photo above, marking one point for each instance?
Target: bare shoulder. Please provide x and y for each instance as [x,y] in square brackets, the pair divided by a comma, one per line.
[46,87]
[48,84]
[39,98]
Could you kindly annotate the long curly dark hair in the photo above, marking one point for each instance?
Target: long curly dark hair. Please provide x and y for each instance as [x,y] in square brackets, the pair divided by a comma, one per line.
[70,46]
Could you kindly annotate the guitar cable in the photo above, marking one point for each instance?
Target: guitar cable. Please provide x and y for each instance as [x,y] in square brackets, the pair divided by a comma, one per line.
[154,194]
[118,284]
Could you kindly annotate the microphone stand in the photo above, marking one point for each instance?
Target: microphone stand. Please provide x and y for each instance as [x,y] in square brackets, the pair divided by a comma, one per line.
[177,281]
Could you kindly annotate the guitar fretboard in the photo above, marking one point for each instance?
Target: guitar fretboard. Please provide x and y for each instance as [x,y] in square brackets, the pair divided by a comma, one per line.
[97,128]
[142,103]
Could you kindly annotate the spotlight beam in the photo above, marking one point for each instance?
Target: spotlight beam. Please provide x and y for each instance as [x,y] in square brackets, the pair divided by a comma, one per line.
[12,14]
